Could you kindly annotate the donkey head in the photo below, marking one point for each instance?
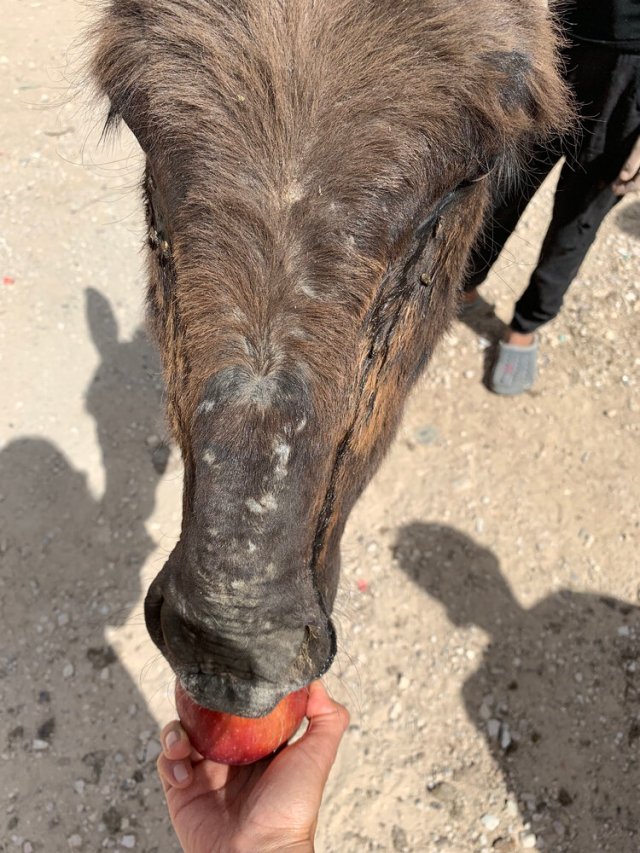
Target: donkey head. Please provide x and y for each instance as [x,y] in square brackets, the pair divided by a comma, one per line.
[316,174]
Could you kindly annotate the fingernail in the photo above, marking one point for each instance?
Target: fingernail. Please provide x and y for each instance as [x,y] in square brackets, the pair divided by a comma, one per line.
[180,772]
[171,739]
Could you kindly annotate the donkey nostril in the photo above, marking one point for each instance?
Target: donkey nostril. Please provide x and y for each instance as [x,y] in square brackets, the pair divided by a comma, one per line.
[153,613]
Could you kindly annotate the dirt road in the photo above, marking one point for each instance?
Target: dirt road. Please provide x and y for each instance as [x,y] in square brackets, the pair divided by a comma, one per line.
[488,612]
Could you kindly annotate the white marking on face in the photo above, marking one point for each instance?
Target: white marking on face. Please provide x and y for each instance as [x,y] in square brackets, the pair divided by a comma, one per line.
[307,289]
[282,452]
[293,192]
[209,457]
[265,504]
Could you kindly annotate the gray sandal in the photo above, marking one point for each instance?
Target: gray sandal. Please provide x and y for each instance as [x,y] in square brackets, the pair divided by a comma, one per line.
[515,369]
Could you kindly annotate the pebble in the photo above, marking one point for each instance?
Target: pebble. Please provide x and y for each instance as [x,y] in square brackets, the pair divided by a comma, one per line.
[68,670]
[74,841]
[395,711]
[152,751]
[403,683]
[624,631]
[27,847]
[427,435]
[505,736]
[511,807]
[490,822]
[63,619]
[79,786]
[128,841]
[493,728]
[528,841]
[39,744]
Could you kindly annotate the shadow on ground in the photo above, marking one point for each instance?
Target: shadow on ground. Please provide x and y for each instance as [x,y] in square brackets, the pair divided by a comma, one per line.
[481,318]
[78,744]
[628,218]
[556,696]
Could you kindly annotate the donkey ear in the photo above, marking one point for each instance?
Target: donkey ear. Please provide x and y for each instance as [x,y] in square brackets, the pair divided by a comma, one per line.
[102,322]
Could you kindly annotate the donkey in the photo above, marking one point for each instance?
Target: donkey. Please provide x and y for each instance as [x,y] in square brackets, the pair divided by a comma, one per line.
[316,172]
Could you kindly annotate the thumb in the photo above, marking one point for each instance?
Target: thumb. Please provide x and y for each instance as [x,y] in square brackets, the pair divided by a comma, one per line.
[316,750]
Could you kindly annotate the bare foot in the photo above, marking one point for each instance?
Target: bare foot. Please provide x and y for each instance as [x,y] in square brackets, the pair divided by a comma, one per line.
[519,339]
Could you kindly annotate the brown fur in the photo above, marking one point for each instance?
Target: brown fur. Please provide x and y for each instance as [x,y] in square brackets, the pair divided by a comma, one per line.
[318,171]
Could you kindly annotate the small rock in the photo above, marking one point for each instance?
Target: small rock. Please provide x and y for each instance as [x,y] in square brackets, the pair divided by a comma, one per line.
[79,786]
[27,847]
[128,841]
[490,822]
[152,751]
[511,808]
[101,657]
[528,841]
[427,435]
[112,820]
[68,670]
[485,712]
[493,728]
[74,841]
[39,745]
[623,631]
[403,683]
[63,619]
[152,441]
[46,729]
[395,711]
[505,736]
[479,524]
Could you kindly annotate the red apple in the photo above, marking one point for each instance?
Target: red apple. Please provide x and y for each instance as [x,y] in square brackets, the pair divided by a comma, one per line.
[228,739]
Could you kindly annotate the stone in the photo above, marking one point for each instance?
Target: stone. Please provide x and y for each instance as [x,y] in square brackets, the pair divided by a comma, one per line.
[490,822]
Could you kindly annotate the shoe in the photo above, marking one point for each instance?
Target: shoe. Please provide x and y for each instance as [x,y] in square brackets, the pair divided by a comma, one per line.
[515,369]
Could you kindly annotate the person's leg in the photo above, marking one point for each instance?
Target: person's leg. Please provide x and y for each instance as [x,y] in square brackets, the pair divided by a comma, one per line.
[503,218]
[581,203]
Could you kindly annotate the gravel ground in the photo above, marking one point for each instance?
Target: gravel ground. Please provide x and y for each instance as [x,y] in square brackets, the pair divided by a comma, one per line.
[488,612]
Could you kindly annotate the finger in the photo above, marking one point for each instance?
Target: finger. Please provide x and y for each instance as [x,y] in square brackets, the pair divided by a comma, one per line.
[174,774]
[622,188]
[319,702]
[175,741]
[318,746]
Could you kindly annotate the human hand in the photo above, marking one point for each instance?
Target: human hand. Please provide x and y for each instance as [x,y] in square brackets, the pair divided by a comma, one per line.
[628,181]
[267,806]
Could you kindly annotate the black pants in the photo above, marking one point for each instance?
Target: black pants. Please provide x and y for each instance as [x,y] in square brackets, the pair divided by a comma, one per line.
[607,85]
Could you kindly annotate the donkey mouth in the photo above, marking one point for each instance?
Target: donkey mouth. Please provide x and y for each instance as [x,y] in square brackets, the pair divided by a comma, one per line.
[253,697]
[246,676]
